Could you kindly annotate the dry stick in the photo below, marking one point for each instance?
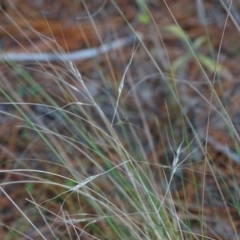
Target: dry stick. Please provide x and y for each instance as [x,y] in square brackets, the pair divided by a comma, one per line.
[72,56]
[223,148]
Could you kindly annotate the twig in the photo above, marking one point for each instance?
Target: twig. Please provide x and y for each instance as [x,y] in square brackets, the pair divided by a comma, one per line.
[72,56]
[224,149]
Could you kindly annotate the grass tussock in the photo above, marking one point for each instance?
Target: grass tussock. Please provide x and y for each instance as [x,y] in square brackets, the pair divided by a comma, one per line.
[136,136]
